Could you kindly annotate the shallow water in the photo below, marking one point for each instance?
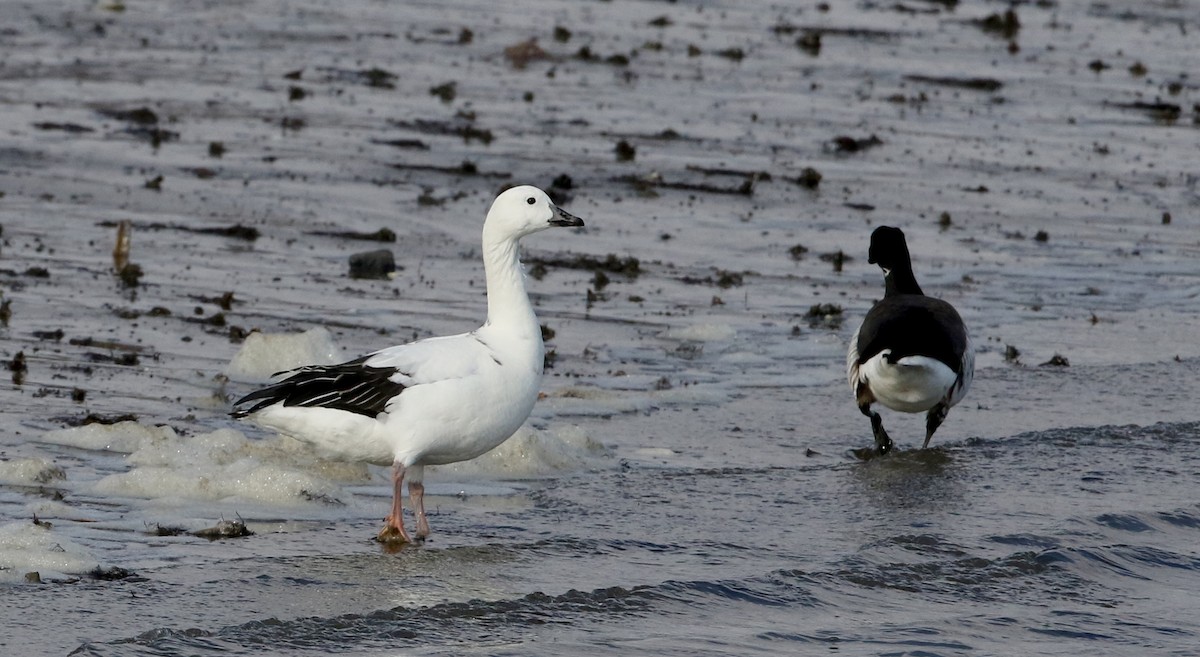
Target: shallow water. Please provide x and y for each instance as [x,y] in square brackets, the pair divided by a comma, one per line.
[685,486]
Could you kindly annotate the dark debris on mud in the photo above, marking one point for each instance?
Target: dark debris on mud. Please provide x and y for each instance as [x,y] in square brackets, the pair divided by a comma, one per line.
[236,231]
[722,278]
[381,235]
[971,83]
[628,266]
[647,184]
[225,529]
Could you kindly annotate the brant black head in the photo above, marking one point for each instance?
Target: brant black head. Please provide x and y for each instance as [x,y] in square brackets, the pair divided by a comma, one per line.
[890,252]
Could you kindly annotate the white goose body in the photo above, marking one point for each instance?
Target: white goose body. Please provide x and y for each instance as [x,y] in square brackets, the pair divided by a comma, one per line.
[431,423]
[435,401]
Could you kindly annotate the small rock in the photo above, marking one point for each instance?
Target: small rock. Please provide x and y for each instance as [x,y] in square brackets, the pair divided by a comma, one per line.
[845,144]
[225,529]
[810,42]
[110,574]
[130,274]
[377,77]
[809,178]
[1005,25]
[446,92]
[625,151]
[18,368]
[1057,361]
[1011,354]
[520,54]
[733,54]
[378,264]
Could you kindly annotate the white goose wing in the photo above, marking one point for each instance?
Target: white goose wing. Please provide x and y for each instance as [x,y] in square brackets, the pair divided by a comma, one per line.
[370,385]
[433,359]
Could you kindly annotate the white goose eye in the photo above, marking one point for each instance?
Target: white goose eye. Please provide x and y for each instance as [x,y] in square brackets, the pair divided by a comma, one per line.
[531,200]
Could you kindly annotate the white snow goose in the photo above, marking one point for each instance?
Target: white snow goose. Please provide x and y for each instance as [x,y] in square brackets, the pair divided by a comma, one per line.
[433,401]
[912,352]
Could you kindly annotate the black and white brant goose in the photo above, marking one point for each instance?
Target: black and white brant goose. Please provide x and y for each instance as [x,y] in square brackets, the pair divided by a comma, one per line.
[912,352]
[435,401]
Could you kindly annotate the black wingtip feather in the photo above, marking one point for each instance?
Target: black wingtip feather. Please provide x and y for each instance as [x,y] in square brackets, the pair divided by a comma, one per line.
[353,387]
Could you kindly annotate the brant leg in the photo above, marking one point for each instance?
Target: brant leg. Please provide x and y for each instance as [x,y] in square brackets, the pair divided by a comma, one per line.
[883,443]
[933,420]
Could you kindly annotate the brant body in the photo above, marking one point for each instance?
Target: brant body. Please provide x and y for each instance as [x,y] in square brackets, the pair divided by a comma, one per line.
[912,352]
[433,401]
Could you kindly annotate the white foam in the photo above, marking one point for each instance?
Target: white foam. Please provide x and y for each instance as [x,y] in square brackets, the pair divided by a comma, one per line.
[26,547]
[264,354]
[241,481]
[56,510]
[661,453]
[125,437]
[530,454]
[224,465]
[29,472]
[702,333]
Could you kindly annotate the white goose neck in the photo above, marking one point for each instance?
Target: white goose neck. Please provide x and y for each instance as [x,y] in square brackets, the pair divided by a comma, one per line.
[508,303]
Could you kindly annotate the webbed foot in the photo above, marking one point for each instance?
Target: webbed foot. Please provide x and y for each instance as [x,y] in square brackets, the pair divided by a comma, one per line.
[393,536]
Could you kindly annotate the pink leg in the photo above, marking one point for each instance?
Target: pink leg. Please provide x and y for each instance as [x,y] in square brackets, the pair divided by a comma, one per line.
[416,494]
[393,530]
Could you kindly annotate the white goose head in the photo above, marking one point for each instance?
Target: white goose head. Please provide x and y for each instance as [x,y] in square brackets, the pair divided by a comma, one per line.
[524,210]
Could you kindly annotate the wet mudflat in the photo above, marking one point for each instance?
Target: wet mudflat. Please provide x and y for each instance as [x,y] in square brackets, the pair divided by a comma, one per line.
[685,487]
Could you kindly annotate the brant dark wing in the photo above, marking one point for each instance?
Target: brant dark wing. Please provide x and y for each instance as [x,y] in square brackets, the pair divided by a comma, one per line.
[351,386]
[913,325]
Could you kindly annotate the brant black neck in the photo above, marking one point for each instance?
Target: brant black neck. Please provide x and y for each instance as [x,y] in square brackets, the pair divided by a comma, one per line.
[900,280]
